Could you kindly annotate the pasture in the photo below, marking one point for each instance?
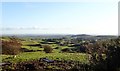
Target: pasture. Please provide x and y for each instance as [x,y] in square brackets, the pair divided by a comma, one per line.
[58,54]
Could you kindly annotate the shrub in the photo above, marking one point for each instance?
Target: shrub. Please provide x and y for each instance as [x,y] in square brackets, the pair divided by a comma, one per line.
[47,49]
[11,47]
[110,61]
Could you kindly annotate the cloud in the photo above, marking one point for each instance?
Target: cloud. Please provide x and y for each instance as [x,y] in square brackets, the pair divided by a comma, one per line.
[20,28]
[30,28]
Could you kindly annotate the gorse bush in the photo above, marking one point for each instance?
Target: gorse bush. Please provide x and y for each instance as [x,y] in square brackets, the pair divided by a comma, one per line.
[97,56]
[47,48]
[105,55]
[113,55]
[11,47]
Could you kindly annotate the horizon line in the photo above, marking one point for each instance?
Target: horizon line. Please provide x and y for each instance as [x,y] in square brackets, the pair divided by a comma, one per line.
[66,34]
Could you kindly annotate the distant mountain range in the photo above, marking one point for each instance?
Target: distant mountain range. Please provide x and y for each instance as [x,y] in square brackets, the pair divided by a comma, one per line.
[84,36]
[50,36]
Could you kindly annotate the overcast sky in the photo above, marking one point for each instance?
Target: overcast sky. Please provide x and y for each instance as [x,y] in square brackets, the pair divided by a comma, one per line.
[60,18]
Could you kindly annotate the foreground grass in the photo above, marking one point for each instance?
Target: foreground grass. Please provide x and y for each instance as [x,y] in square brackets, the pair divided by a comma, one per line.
[26,56]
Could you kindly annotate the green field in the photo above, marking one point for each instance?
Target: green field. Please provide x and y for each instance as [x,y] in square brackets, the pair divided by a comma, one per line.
[55,55]
[59,54]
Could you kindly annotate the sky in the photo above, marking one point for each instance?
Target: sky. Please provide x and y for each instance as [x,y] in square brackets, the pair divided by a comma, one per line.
[95,18]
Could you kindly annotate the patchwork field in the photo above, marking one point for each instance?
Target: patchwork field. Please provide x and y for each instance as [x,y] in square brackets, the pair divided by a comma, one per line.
[64,54]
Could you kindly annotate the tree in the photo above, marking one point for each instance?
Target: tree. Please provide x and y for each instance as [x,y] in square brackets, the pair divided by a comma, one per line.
[47,49]
[11,47]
